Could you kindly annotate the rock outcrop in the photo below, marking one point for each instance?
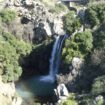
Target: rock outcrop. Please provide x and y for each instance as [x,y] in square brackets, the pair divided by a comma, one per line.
[61,92]
[8,94]
[74,71]
[34,15]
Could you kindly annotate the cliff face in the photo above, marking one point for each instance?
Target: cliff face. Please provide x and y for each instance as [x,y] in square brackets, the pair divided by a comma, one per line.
[36,19]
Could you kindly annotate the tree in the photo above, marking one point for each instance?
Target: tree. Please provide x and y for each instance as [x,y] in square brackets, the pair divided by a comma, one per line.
[71,23]
[79,46]
[98,86]
[99,37]
[95,14]
[84,41]
[11,50]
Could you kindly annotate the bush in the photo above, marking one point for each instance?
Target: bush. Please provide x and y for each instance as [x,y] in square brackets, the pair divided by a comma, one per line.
[92,100]
[79,46]
[84,41]
[95,14]
[9,61]
[11,50]
[71,100]
[71,23]
[7,15]
[87,101]
[98,56]
[98,86]
[99,37]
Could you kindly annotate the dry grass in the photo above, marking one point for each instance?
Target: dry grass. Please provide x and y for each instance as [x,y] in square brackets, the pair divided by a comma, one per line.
[49,2]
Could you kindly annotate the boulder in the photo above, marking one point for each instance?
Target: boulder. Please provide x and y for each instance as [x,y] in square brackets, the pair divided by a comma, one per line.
[8,94]
[58,26]
[70,77]
[77,63]
[47,27]
[61,92]
[17,3]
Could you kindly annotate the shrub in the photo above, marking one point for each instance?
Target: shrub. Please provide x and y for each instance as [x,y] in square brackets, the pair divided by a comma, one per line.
[99,37]
[84,41]
[98,56]
[95,14]
[79,46]
[71,23]
[98,86]
[71,100]
[7,15]
[87,101]
[11,50]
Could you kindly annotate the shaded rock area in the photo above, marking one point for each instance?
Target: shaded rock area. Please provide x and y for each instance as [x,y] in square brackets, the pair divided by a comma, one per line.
[69,78]
[37,62]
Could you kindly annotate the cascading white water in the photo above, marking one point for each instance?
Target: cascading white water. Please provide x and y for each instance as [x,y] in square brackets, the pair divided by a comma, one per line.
[55,59]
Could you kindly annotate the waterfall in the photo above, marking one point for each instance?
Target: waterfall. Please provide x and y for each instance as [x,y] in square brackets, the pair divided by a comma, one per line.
[55,59]
[43,85]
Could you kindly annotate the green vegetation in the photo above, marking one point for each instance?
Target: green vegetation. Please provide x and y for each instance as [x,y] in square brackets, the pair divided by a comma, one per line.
[88,45]
[71,23]
[11,50]
[99,37]
[71,100]
[95,14]
[7,15]
[98,86]
[79,46]
[89,100]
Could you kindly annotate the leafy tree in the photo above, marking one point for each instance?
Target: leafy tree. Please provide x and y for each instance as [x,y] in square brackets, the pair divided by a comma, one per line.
[95,14]
[71,23]
[79,46]
[11,50]
[98,86]
[84,41]
[99,37]
[7,15]
[71,100]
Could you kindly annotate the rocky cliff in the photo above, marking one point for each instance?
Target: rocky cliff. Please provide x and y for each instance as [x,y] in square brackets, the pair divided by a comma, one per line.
[36,19]
[8,95]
